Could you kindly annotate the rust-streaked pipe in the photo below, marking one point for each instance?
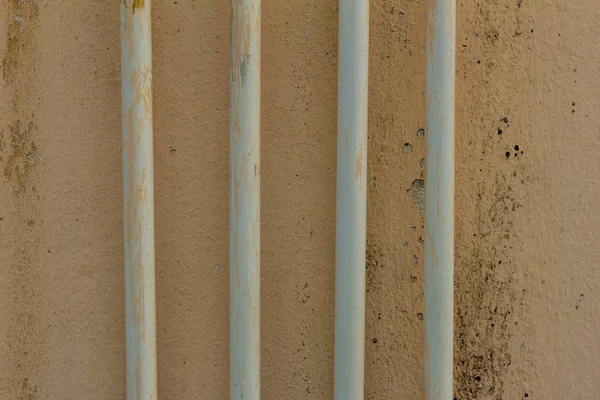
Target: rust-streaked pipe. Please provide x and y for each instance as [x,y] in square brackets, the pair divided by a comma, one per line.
[244,201]
[439,199]
[138,189]
[351,199]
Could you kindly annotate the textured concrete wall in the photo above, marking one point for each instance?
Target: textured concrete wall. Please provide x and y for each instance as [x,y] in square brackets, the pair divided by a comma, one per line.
[528,222]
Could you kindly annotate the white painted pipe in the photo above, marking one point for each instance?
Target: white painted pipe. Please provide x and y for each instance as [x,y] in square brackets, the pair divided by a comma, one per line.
[244,203]
[138,205]
[439,200]
[351,199]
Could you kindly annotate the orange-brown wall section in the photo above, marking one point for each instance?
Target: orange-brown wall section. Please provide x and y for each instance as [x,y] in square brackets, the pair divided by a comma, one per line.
[527,209]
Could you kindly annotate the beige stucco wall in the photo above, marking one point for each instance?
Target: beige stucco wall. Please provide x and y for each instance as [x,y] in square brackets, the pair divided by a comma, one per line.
[527,280]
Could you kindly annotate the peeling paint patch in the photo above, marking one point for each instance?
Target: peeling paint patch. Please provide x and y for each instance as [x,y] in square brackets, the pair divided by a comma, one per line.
[417,192]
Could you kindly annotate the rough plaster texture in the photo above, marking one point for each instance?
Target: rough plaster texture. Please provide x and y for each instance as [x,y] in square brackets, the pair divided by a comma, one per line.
[528,222]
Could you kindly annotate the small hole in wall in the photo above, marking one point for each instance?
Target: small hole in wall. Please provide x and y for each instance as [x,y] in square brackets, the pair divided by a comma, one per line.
[517,147]
[499,131]
[507,154]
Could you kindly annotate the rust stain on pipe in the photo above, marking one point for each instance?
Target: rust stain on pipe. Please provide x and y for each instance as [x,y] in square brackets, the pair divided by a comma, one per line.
[359,166]
[136,4]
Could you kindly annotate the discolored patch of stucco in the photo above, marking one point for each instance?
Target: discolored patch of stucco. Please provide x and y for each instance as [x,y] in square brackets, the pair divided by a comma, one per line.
[23,284]
[22,11]
[18,151]
[417,192]
[493,175]
[22,154]
[488,291]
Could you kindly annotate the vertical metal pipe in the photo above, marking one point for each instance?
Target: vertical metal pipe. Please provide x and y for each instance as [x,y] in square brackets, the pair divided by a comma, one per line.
[439,199]
[351,201]
[138,190]
[244,202]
